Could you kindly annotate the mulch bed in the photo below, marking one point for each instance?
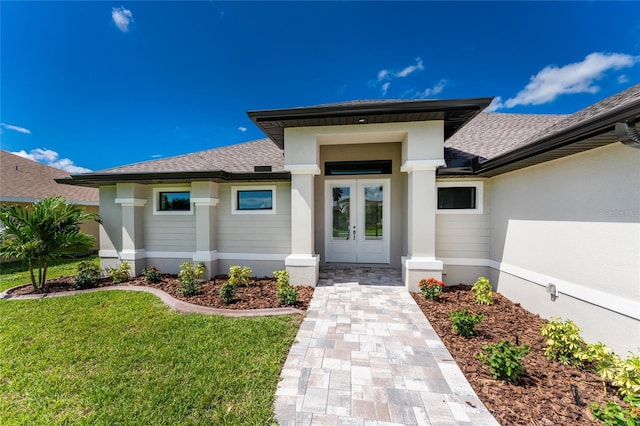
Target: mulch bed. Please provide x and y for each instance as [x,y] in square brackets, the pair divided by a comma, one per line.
[261,293]
[545,395]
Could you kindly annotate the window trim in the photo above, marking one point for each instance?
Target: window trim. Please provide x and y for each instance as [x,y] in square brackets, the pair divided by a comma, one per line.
[479,185]
[156,201]
[234,199]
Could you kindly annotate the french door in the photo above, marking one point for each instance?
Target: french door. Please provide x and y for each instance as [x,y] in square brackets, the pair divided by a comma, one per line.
[357,220]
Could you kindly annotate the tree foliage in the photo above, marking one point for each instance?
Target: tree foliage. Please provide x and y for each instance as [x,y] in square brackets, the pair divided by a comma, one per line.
[46,230]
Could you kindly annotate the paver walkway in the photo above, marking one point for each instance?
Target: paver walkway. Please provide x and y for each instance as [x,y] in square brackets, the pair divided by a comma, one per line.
[366,355]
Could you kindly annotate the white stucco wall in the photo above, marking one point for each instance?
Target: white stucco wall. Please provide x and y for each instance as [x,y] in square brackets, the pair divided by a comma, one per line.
[573,222]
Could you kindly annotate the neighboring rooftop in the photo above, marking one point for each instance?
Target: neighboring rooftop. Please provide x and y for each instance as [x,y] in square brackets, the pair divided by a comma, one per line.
[24,180]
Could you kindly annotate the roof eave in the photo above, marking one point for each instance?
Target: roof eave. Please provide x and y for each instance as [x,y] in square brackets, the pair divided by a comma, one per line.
[278,117]
[582,131]
[96,180]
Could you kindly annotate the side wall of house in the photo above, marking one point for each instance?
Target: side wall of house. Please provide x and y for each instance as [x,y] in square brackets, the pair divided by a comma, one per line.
[463,238]
[573,223]
[260,241]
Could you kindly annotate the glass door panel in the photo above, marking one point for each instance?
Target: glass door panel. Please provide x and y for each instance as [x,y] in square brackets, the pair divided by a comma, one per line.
[341,212]
[373,212]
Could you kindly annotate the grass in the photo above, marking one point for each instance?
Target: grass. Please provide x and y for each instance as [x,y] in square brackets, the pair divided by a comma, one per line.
[16,273]
[125,358]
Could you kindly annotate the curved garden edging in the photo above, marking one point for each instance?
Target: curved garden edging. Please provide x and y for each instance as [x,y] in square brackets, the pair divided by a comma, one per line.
[175,304]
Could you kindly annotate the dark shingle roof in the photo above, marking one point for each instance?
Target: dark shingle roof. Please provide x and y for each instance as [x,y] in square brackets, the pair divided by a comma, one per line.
[233,158]
[490,134]
[24,179]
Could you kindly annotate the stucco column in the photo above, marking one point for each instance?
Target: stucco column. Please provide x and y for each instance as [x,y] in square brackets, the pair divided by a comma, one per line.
[204,196]
[302,264]
[132,199]
[420,261]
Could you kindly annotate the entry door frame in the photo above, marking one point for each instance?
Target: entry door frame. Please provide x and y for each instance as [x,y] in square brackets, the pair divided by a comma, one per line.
[360,249]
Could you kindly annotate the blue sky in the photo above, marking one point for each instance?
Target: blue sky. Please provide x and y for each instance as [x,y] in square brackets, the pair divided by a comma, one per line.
[93,85]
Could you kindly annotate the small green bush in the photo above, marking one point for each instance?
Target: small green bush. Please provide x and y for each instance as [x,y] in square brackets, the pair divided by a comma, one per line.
[465,321]
[227,292]
[282,279]
[152,275]
[120,273]
[626,376]
[503,360]
[240,275]
[564,343]
[482,291]
[88,274]
[288,296]
[614,415]
[189,277]
[602,360]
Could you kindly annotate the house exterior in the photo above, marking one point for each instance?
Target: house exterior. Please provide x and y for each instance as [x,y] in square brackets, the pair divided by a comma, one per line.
[24,181]
[546,206]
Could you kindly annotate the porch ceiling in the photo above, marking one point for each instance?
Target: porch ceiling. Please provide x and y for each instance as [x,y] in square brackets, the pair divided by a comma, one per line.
[455,113]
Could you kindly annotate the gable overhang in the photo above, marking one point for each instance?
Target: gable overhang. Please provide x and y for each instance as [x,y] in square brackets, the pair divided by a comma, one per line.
[588,134]
[455,113]
[96,180]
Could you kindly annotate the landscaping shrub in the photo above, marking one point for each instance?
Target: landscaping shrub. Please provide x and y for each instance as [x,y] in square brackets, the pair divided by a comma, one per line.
[120,273]
[615,415]
[287,295]
[564,343]
[602,361]
[189,277]
[152,275]
[465,321]
[227,292]
[482,291]
[503,360]
[431,288]
[626,376]
[88,274]
[239,275]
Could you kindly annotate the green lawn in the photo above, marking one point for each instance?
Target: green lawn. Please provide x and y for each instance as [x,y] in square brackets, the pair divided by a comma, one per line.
[124,358]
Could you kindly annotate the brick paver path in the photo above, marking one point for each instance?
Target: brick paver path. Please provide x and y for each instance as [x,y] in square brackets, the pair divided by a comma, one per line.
[366,355]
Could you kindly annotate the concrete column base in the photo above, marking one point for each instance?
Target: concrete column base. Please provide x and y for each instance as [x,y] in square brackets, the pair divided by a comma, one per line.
[137,260]
[303,269]
[210,261]
[416,268]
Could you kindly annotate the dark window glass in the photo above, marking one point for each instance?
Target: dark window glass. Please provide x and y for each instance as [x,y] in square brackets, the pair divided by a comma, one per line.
[175,201]
[461,197]
[342,168]
[255,200]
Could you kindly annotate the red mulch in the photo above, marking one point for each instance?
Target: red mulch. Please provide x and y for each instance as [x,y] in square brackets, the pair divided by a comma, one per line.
[544,396]
[261,293]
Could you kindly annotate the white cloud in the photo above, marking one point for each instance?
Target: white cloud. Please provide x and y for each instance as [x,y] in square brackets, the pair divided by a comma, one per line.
[52,158]
[122,18]
[495,104]
[242,129]
[15,128]
[432,91]
[623,79]
[579,77]
[410,69]
[385,76]
[385,88]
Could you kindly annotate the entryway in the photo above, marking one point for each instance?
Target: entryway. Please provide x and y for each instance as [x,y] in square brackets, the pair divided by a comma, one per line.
[357,220]
[362,274]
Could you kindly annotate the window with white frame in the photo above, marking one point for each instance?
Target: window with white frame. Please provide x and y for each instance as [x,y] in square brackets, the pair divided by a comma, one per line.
[460,197]
[172,201]
[260,199]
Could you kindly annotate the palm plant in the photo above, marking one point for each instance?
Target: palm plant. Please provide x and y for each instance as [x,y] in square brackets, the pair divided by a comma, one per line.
[47,230]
